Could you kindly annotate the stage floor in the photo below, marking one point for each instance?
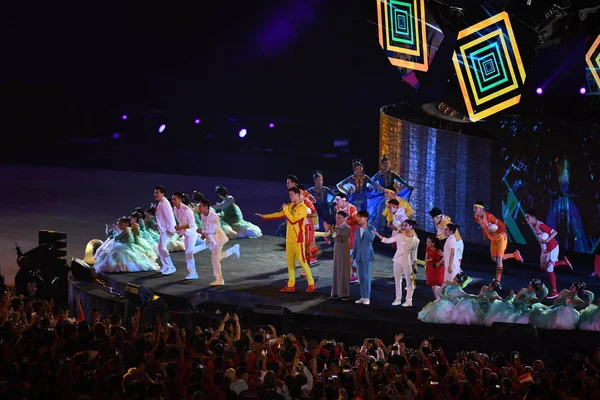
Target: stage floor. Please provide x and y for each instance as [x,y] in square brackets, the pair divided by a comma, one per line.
[80,201]
[257,275]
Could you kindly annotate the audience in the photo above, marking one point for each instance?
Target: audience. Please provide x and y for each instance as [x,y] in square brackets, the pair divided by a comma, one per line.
[46,354]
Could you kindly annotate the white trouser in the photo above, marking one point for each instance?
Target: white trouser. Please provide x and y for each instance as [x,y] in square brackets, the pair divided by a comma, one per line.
[399,270]
[163,252]
[549,258]
[190,242]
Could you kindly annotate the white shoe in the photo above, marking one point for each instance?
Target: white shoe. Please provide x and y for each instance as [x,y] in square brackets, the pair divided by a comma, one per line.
[367,302]
[169,271]
[217,283]
[406,304]
[397,303]
[360,301]
[236,250]
[192,276]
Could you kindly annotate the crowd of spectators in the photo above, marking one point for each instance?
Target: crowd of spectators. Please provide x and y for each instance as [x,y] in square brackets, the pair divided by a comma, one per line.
[46,353]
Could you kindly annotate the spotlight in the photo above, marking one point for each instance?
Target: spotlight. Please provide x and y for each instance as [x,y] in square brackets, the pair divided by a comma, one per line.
[124,117]
[271,125]
[242,133]
[197,121]
[162,128]
[539,90]
[582,90]
[116,135]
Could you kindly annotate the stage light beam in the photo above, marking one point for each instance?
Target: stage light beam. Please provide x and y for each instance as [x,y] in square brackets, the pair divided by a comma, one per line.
[162,128]
[124,117]
[539,90]
[582,90]
[242,133]
[271,125]
[197,121]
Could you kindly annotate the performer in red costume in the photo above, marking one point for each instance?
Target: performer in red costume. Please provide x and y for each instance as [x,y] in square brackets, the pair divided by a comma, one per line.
[312,220]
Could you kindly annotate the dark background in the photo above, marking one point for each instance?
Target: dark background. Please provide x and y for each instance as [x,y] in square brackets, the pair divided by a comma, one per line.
[314,68]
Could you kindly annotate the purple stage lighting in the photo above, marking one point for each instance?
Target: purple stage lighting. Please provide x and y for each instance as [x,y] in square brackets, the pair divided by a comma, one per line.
[197,121]
[242,133]
[539,90]
[116,135]
[582,90]
[124,117]
[162,128]
[271,125]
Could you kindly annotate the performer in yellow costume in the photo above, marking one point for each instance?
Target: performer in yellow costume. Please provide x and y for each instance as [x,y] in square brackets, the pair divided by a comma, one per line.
[295,213]
[390,193]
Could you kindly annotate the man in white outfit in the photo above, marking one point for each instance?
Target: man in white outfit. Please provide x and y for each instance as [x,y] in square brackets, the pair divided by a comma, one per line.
[166,227]
[186,227]
[405,260]
[215,238]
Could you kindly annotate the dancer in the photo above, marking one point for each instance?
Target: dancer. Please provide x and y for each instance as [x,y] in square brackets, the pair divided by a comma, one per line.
[186,227]
[230,213]
[295,213]
[216,238]
[386,178]
[312,223]
[340,283]
[404,259]
[564,312]
[440,221]
[499,241]
[390,194]
[549,254]
[197,198]
[363,255]
[434,268]
[342,204]
[444,310]
[452,252]
[324,199]
[358,186]
[165,220]
[121,254]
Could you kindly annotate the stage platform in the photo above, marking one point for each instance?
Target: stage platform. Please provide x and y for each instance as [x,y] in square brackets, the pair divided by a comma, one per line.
[80,201]
[254,279]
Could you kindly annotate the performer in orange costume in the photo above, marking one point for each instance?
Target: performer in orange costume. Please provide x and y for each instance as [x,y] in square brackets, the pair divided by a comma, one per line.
[498,238]
[295,213]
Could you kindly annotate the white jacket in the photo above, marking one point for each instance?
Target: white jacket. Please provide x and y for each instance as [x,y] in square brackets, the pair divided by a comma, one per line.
[164,217]
[212,229]
[185,216]
[406,248]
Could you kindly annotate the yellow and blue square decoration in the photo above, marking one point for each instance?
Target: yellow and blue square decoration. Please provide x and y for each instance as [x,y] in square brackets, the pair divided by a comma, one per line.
[402,32]
[592,59]
[488,66]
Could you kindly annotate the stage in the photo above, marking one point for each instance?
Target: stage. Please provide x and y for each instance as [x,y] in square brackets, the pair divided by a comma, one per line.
[80,201]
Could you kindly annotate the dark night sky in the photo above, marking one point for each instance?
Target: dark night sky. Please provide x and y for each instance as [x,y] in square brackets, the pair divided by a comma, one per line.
[305,59]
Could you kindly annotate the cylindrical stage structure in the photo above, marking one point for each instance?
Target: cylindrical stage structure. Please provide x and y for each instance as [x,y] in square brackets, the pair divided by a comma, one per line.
[448,170]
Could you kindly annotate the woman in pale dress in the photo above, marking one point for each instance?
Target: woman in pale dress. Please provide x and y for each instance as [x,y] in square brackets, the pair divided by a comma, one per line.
[452,252]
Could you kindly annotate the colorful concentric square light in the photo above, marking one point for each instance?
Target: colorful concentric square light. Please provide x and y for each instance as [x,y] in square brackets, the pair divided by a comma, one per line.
[489,67]
[402,32]
[592,59]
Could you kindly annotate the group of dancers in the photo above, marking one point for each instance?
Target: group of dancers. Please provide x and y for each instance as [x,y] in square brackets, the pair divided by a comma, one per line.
[367,208]
[135,243]
[361,210]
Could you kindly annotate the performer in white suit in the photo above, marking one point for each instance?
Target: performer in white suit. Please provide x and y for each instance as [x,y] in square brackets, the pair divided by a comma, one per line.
[404,260]
[187,227]
[166,227]
[215,238]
